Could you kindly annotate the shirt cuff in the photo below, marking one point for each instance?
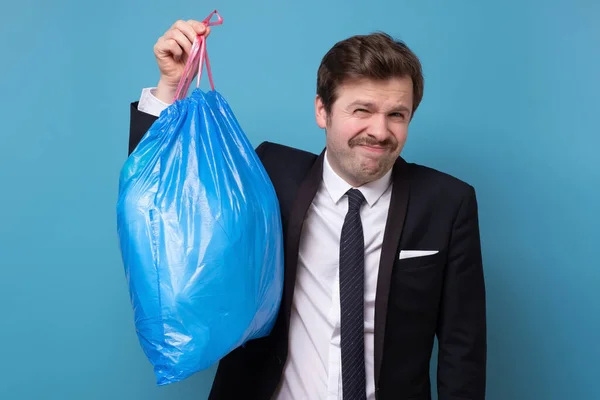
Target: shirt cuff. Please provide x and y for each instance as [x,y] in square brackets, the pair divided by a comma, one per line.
[150,104]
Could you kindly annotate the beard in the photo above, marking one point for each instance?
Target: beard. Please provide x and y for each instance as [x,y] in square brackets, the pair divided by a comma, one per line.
[359,168]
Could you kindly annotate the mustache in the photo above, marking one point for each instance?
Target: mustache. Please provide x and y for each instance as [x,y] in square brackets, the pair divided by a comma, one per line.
[388,143]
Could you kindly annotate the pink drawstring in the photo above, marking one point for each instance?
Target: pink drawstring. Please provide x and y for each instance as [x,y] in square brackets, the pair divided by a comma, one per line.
[198,51]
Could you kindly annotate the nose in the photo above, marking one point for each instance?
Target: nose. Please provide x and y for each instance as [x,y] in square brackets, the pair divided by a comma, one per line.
[378,127]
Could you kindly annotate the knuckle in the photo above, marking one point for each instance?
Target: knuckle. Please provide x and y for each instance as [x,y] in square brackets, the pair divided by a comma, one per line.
[175,46]
[181,25]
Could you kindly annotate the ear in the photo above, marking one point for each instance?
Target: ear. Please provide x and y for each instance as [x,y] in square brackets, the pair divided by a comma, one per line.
[320,113]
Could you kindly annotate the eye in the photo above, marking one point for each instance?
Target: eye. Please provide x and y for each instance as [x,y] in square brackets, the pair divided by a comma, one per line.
[398,115]
[361,111]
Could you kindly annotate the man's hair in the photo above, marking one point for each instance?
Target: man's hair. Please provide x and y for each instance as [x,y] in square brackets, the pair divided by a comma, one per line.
[376,56]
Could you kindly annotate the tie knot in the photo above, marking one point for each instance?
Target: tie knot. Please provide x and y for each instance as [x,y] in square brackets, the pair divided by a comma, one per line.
[355,199]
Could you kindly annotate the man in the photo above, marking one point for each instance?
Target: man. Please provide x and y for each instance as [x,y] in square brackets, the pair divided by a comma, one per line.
[381,255]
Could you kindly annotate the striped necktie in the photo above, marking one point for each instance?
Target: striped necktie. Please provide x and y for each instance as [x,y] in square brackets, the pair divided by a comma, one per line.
[352,272]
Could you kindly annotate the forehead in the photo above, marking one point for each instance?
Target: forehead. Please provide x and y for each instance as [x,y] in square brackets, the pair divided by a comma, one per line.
[393,91]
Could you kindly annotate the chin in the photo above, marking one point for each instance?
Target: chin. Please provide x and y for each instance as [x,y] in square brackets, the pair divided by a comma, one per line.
[378,168]
[366,175]
[372,164]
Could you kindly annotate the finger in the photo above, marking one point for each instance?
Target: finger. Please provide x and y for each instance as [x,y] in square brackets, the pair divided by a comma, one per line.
[182,40]
[199,27]
[187,29]
[170,46]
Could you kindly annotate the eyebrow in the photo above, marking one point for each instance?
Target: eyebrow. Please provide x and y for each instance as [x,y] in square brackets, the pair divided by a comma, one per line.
[368,104]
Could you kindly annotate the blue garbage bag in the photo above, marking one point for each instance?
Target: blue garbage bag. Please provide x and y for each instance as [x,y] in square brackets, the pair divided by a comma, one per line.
[200,236]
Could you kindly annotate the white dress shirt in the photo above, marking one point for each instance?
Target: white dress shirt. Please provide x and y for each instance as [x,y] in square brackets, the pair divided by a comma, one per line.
[313,367]
[150,104]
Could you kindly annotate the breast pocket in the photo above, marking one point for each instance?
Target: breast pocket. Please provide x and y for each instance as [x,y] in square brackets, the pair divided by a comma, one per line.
[417,281]
[414,259]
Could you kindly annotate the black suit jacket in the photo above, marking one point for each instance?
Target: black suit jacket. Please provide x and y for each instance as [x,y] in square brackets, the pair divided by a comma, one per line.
[417,298]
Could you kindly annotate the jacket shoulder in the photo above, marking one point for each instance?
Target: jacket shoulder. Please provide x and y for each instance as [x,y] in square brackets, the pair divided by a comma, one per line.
[439,183]
[281,151]
[281,160]
[287,168]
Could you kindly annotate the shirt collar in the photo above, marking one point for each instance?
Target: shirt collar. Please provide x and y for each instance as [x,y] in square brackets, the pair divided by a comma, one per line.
[337,187]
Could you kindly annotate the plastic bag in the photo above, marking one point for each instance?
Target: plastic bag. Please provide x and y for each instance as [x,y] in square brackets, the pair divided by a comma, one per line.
[200,234]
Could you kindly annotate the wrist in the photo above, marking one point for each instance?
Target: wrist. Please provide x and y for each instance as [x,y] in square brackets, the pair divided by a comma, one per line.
[165,92]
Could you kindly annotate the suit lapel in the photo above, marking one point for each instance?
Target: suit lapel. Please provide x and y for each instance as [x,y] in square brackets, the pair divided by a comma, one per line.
[306,193]
[391,239]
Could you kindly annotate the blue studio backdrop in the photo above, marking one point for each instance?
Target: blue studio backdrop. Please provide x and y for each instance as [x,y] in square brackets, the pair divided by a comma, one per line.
[511,105]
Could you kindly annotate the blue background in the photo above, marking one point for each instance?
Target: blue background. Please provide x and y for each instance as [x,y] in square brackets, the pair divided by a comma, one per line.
[511,105]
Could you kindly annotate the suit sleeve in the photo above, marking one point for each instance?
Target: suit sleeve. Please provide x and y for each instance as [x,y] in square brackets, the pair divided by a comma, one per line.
[462,321]
[139,123]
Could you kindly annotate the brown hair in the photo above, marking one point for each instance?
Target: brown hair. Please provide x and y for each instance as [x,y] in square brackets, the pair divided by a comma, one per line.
[375,56]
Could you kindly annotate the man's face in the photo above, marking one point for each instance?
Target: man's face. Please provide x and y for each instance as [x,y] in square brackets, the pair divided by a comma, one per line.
[367,127]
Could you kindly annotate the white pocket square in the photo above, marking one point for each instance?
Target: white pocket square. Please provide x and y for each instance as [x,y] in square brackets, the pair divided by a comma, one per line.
[416,253]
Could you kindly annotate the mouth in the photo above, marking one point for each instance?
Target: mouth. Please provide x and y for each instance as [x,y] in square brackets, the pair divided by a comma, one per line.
[374,149]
